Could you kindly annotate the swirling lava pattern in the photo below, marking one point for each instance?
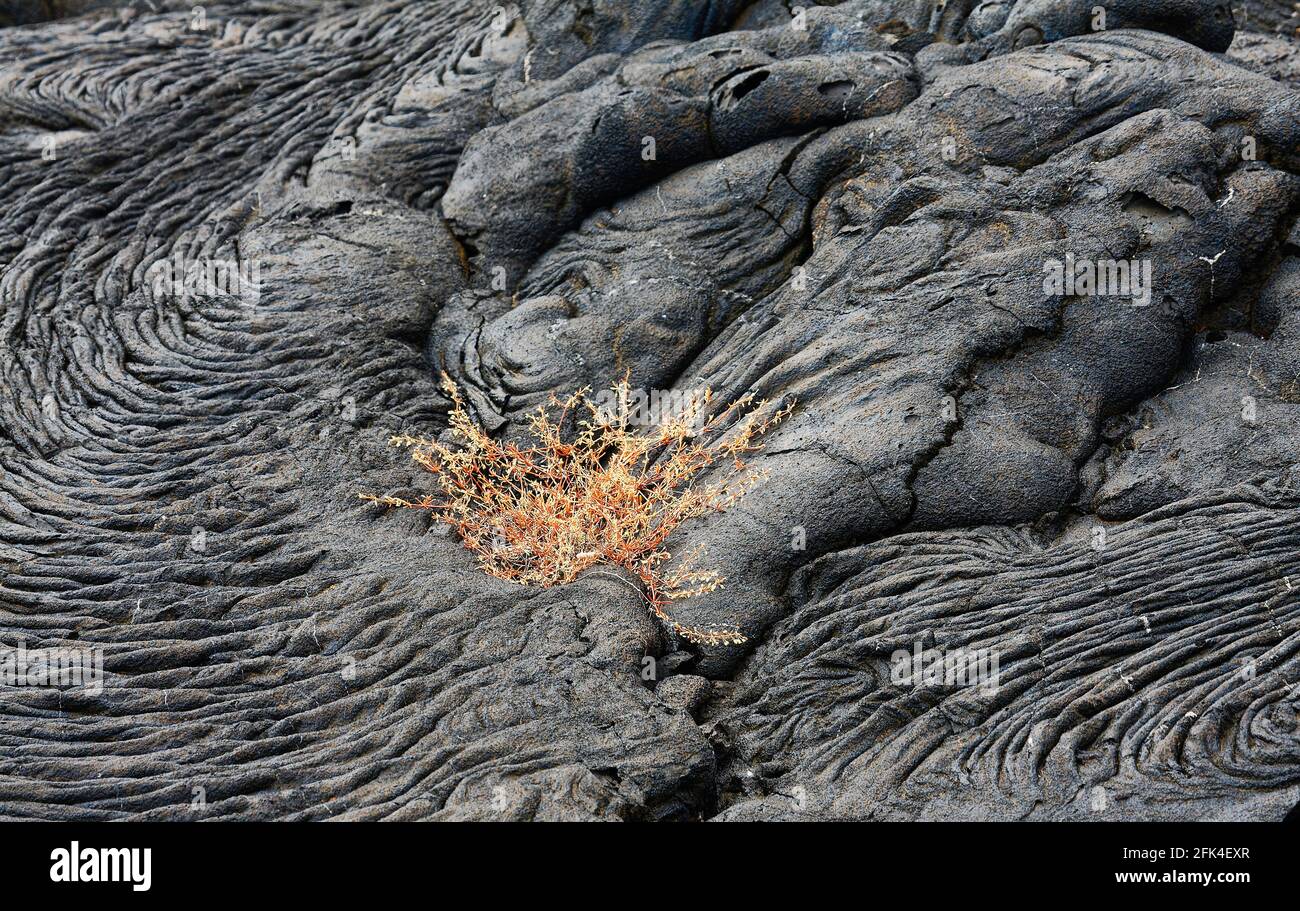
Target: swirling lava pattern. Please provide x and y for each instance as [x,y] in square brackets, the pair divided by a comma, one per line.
[854,213]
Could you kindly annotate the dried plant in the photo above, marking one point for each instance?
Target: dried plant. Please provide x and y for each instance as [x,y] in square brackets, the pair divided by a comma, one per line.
[602,493]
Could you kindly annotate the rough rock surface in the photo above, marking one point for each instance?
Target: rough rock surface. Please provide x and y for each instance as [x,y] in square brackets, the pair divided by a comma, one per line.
[851,208]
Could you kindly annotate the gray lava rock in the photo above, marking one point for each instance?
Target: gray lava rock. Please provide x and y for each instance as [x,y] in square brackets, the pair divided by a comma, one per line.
[1023,549]
[685,691]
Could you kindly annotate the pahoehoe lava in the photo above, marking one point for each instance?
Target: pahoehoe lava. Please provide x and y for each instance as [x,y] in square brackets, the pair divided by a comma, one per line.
[850,207]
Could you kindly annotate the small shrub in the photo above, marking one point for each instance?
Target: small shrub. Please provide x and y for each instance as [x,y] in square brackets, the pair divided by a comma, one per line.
[541,513]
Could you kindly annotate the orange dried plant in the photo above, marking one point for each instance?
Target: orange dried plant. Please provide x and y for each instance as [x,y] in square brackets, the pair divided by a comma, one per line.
[541,513]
